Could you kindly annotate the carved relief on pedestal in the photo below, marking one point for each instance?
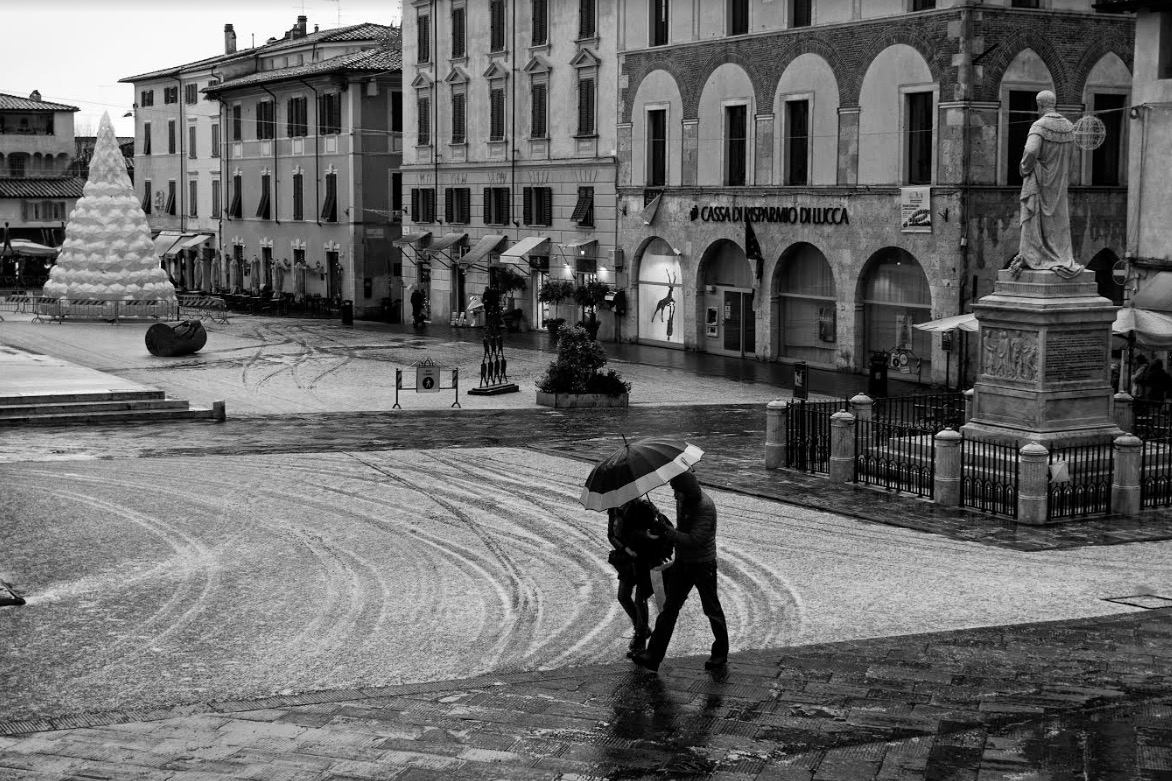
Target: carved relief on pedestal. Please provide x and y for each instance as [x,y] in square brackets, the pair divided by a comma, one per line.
[1009,354]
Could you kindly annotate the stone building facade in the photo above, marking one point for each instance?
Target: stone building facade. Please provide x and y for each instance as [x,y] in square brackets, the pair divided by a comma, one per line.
[807,180]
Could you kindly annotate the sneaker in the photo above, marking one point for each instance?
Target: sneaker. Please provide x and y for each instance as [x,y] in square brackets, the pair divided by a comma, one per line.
[638,643]
[716,662]
[646,662]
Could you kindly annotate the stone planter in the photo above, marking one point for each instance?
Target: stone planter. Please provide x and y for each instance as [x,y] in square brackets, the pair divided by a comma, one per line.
[572,400]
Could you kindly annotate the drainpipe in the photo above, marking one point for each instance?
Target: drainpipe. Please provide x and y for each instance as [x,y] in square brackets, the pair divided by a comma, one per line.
[435,106]
[513,123]
[276,181]
[224,151]
[316,154]
[182,131]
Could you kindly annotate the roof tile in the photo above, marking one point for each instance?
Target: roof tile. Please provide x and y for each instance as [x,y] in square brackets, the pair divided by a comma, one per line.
[17,103]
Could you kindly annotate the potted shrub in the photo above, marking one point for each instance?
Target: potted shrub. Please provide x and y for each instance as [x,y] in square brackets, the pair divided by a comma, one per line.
[552,325]
[576,378]
[555,291]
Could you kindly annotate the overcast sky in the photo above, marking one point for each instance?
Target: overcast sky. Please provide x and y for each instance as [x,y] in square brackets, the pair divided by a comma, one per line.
[75,51]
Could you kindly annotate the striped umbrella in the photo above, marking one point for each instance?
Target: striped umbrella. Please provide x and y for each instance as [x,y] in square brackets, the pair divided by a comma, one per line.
[636,468]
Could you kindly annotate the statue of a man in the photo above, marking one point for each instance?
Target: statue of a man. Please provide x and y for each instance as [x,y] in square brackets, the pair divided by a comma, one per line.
[1045,213]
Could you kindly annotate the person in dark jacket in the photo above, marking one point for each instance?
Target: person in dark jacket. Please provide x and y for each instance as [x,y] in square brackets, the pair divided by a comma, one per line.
[694,567]
[417,299]
[1158,381]
[637,549]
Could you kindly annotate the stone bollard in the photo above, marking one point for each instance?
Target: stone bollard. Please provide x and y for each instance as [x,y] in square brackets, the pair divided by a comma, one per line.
[968,405]
[1123,411]
[842,447]
[776,433]
[1033,484]
[1125,486]
[946,483]
[219,411]
[862,407]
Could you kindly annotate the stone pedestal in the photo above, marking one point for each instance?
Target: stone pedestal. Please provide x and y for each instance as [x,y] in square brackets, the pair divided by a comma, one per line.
[1044,362]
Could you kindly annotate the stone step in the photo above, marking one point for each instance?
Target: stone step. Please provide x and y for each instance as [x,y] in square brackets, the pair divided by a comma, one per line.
[118,416]
[78,407]
[95,396]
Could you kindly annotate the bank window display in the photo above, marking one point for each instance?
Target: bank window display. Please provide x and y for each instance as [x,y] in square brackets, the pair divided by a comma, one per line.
[896,297]
[806,298]
[660,294]
[727,279]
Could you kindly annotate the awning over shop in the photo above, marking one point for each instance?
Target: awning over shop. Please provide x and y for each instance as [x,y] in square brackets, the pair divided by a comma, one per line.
[189,240]
[1154,292]
[483,247]
[518,254]
[412,239]
[584,248]
[963,322]
[165,240]
[448,241]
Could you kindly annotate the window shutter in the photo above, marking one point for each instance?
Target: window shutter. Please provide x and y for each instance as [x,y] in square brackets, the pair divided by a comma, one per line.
[540,34]
[538,125]
[504,194]
[488,206]
[449,194]
[547,205]
[457,32]
[415,204]
[423,40]
[527,206]
[582,89]
[466,204]
[586,19]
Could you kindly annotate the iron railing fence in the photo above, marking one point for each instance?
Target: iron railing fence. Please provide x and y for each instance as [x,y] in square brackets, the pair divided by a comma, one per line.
[921,412]
[894,455]
[988,477]
[1155,473]
[1153,419]
[807,442]
[1080,481]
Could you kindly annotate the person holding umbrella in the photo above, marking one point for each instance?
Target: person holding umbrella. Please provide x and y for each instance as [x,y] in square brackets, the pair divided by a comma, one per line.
[637,552]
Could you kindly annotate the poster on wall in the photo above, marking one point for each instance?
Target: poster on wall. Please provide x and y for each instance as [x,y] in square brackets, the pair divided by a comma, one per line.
[660,294]
[903,331]
[915,209]
[826,329]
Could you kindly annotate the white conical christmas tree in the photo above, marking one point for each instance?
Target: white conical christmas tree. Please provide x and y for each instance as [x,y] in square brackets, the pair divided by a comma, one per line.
[108,254]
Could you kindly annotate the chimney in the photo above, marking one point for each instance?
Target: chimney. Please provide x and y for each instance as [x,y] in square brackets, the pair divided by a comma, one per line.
[302,21]
[229,39]
[36,95]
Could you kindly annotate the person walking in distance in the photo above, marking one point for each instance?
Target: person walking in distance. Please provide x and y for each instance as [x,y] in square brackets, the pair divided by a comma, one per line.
[694,567]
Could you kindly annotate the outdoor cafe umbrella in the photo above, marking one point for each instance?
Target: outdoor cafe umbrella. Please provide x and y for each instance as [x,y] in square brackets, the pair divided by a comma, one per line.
[636,468]
[1149,329]
[28,249]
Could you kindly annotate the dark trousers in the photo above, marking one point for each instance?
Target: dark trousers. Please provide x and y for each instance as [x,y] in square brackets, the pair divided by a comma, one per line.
[678,581]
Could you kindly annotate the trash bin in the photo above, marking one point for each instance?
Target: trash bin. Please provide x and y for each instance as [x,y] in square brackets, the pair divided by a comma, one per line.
[347,312]
[877,377]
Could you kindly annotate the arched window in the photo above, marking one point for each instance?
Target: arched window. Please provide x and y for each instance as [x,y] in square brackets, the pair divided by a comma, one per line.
[896,297]
[805,317]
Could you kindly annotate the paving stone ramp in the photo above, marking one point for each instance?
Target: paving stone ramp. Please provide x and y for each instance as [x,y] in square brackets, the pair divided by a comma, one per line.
[39,389]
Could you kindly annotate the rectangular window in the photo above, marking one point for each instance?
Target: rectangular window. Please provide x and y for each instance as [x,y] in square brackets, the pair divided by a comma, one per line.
[422,204]
[587,27]
[1022,113]
[397,191]
[147,192]
[329,114]
[496,114]
[146,138]
[266,115]
[496,41]
[191,145]
[538,126]
[146,97]
[801,13]
[459,127]
[537,205]
[216,140]
[297,117]
[1164,45]
[659,22]
[736,142]
[424,117]
[329,211]
[396,112]
[540,22]
[298,196]
[797,142]
[923,5]
[190,94]
[1024,4]
[496,205]
[657,147]
[584,209]
[919,138]
[738,17]
[192,198]
[458,34]
[1105,161]
[423,37]
[170,95]
[237,123]
[236,208]
[458,205]
[262,210]
[585,106]
[216,205]
[170,136]
[171,197]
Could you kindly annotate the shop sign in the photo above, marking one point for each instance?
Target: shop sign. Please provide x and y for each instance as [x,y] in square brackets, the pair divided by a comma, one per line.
[786,215]
[915,209]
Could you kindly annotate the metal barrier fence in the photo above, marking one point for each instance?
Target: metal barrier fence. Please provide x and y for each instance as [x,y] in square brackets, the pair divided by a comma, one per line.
[894,455]
[48,309]
[1155,473]
[1080,481]
[1153,419]
[931,413]
[807,443]
[989,474]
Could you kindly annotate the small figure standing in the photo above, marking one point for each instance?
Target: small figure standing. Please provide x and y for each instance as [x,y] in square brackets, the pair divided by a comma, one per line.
[1139,382]
[637,550]
[694,567]
[1157,381]
[417,299]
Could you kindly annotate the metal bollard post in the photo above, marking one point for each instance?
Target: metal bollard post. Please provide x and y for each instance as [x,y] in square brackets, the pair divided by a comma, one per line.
[1126,498]
[946,483]
[1033,484]
[862,407]
[842,447]
[1123,411]
[968,405]
[219,411]
[776,433]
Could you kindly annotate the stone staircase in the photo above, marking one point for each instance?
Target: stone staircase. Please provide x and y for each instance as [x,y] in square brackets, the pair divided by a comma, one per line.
[96,407]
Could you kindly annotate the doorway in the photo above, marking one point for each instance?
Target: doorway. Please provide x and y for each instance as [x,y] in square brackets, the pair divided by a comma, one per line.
[740,326]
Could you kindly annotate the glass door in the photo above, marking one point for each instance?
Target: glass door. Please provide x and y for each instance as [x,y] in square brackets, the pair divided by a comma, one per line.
[740,327]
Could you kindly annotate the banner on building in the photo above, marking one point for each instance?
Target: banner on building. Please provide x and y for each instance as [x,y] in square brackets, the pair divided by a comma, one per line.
[915,209]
